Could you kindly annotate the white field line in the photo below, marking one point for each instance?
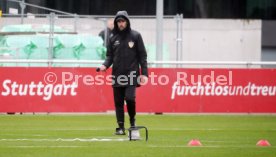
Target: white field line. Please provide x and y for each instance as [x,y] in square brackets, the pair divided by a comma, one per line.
[215,146]
[152,129]
[68,140]
[211,129]
[46,146]
[57,129]
[151,146]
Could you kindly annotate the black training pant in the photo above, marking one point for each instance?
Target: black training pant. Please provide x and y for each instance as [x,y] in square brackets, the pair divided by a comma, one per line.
[128,94]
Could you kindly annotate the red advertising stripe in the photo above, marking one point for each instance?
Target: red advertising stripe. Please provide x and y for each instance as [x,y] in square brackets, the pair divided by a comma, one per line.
[167,90]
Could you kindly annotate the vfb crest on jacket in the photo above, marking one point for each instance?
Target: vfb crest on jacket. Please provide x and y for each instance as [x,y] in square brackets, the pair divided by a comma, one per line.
[130,44]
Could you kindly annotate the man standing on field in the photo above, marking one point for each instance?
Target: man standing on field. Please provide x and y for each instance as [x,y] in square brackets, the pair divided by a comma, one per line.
[127,53]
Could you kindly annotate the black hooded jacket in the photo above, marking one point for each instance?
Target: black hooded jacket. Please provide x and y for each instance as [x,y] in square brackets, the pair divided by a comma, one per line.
[127,53]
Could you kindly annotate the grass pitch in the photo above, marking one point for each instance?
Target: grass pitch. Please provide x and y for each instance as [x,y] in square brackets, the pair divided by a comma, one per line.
[92,135]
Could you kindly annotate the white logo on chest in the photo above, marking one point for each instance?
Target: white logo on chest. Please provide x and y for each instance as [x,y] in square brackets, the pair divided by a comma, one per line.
[117,42]
[130,44]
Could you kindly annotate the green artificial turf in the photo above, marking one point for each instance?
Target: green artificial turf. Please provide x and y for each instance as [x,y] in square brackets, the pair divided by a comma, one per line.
[92,135]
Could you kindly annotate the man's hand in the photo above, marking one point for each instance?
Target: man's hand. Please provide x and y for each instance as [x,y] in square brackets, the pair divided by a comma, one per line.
[103,68]
[143,79]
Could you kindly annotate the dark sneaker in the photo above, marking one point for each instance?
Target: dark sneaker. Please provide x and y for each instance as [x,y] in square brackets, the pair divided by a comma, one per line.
[120,131]
[132,123]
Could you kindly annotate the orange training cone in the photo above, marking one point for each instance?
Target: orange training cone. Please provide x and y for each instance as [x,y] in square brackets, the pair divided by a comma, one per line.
[194,142]
[263,143]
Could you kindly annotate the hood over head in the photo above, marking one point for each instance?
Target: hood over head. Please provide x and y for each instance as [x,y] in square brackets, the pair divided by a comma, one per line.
[121,15]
